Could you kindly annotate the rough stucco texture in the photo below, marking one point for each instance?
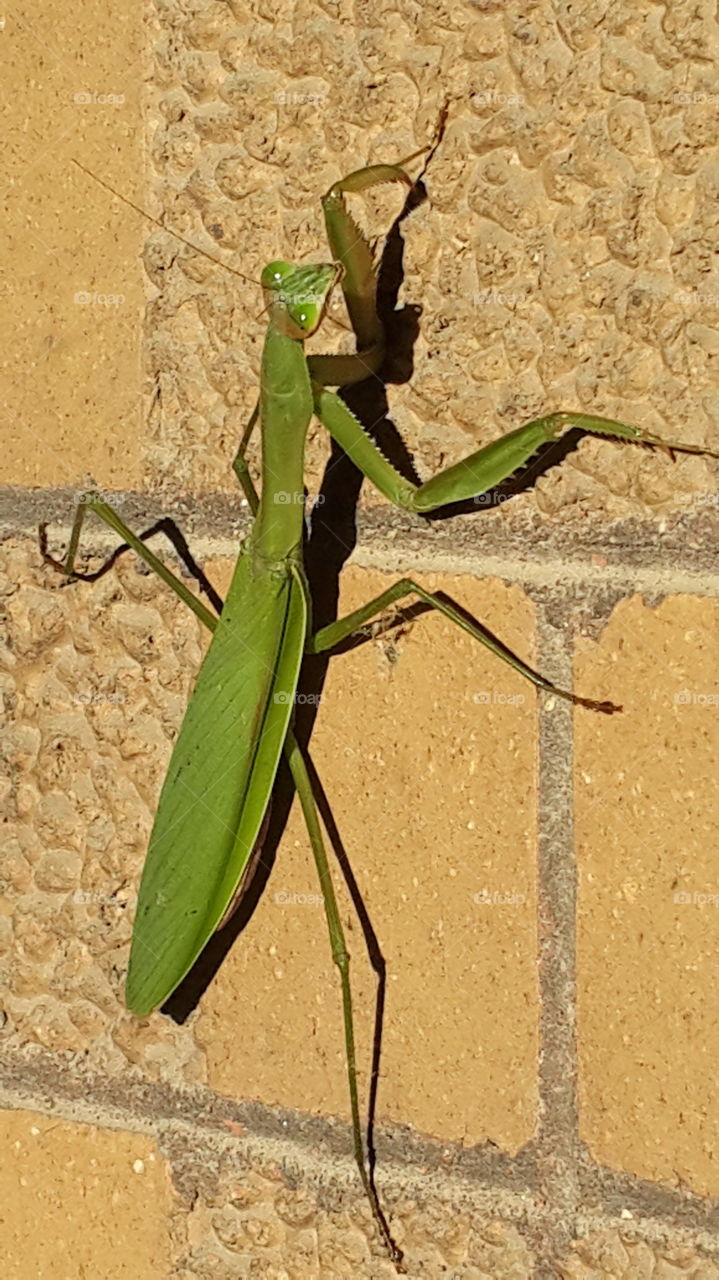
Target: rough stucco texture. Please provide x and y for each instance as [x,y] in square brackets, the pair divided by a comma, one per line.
[564,258]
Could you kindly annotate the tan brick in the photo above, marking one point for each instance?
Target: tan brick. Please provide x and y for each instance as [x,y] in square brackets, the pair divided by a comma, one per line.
[73,284]
[76,1200]
[608,1254]
[254,1218]
[95,679]
[562,261]
[426,745]
[647,833]
[542,283]
[433,793]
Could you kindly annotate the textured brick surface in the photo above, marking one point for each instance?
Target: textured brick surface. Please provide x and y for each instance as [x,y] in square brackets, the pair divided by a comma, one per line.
[618,1254]
[564,259]
[430,776]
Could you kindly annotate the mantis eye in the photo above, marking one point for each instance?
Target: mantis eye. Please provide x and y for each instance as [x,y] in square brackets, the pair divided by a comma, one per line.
[275,273]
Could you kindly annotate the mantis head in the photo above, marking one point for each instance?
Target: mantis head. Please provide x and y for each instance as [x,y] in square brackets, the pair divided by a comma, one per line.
[297,296]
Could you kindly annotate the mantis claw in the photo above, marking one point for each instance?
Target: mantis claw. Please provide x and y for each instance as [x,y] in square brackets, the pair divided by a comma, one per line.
[606,707]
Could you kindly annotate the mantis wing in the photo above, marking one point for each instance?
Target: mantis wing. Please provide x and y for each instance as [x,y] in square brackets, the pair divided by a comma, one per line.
[220,778]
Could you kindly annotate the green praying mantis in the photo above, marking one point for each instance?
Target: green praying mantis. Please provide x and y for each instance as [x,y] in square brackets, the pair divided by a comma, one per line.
[217,791]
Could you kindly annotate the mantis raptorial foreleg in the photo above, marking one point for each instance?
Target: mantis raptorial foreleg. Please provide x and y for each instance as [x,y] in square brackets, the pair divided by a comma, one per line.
[482,470]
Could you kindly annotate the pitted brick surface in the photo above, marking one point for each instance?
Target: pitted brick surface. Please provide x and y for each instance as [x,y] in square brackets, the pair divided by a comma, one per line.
[564,259]
[95,692]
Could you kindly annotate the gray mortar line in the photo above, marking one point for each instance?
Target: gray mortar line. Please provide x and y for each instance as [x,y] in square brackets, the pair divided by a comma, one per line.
[568,1176]
[618,1193]
[636,1229]
[559,574]
[556,1145]
[675,555]
[193,1155]
[206,1112]
[332,1175]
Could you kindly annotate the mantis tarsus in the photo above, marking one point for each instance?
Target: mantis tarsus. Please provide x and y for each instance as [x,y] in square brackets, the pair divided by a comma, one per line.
[218,786]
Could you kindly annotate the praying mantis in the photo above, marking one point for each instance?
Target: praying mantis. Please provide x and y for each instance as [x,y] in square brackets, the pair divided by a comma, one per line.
[214,803]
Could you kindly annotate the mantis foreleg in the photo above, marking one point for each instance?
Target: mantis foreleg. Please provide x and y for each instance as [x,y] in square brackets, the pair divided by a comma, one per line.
[481,470]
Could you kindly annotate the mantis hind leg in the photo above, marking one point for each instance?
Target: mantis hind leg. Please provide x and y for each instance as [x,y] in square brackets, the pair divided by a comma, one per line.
[340,956]
[330,637]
